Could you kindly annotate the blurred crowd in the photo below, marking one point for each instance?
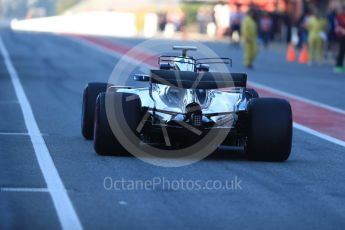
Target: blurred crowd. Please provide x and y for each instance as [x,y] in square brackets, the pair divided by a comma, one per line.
[240,23]
[323,35]
[319,31]
[171,22]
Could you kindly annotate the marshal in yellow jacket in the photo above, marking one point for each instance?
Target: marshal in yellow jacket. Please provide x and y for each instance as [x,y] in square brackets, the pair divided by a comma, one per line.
[249,33]
[316,28]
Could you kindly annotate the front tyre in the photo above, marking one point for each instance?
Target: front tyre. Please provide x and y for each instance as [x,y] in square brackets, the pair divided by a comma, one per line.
[270,130]
[105,142]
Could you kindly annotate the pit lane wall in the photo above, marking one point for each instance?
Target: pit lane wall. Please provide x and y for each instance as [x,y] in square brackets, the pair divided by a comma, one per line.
[90,23]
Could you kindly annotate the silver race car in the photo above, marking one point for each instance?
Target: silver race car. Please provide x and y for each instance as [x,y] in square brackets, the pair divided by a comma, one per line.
[184,104]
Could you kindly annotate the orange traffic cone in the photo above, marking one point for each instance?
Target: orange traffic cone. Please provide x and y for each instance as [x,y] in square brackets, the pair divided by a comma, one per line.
[303,57]
[291,53]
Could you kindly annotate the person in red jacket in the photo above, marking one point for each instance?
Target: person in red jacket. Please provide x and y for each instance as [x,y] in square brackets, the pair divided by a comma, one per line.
[340,31]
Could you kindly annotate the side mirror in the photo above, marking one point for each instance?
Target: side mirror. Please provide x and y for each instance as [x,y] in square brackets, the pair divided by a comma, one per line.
[141,77]
[203,67]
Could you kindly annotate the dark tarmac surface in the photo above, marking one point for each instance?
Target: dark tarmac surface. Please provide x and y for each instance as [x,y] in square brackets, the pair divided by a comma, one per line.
[306,192]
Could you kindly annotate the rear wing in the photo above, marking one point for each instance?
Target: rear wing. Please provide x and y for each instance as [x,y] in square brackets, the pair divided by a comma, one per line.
[199,61]
[194,80]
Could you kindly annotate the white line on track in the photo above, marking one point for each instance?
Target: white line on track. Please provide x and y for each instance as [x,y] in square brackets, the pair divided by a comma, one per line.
[308,101]
[13,134]
[305,100]
[24,190]
[318,134]
[254,84]
[67,215]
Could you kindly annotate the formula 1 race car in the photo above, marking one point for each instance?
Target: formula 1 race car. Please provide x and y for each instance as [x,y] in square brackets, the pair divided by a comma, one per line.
[183,103]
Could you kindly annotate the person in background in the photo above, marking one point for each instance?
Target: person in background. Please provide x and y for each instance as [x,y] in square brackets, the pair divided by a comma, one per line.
[340,31]
[249,34]
[302,29]
[265,28]
[162,21]
[221,16]
[236,18]
[316,31]
[331,36]
[202,20]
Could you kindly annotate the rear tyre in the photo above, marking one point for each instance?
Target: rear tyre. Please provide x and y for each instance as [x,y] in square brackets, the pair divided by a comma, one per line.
[270,130]
[90,94]
[105,142]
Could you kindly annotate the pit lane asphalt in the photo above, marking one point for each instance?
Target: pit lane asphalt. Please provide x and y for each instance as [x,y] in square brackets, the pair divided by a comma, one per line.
[307,192]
